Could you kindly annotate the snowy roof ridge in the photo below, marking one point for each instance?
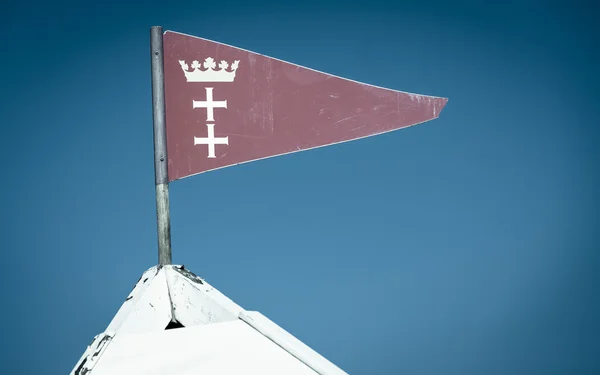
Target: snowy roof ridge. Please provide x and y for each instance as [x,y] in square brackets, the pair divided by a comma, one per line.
[172,297]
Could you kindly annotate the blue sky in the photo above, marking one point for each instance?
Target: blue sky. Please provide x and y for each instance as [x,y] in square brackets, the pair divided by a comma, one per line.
[466,245]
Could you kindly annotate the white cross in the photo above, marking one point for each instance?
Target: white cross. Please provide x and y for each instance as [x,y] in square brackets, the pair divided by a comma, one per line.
[211,141]
[209,104]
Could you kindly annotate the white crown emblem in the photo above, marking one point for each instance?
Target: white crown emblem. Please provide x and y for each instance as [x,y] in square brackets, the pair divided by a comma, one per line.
[209,74]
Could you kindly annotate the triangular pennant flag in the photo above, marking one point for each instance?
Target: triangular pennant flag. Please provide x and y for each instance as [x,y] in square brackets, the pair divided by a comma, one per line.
[225,105]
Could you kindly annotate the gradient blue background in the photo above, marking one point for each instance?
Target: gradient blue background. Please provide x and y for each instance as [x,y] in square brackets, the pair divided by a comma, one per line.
[466,245]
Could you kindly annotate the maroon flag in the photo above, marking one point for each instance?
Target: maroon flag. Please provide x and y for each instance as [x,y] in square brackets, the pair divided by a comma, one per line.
[225,106]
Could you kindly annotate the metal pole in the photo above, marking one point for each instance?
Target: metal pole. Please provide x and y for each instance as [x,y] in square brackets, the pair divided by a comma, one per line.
[160,147]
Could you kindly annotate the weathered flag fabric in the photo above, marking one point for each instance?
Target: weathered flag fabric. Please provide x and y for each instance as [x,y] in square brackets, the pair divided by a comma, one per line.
[225,106]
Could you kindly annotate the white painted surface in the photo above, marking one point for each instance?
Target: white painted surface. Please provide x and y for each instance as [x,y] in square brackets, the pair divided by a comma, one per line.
[92,354]
[197,302]
[219,337]
[130,302]
[229,348]
[148,309]
[145,309]
[290,343]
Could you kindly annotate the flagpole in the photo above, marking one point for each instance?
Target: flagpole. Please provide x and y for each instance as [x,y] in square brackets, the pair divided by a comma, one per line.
[163,220]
